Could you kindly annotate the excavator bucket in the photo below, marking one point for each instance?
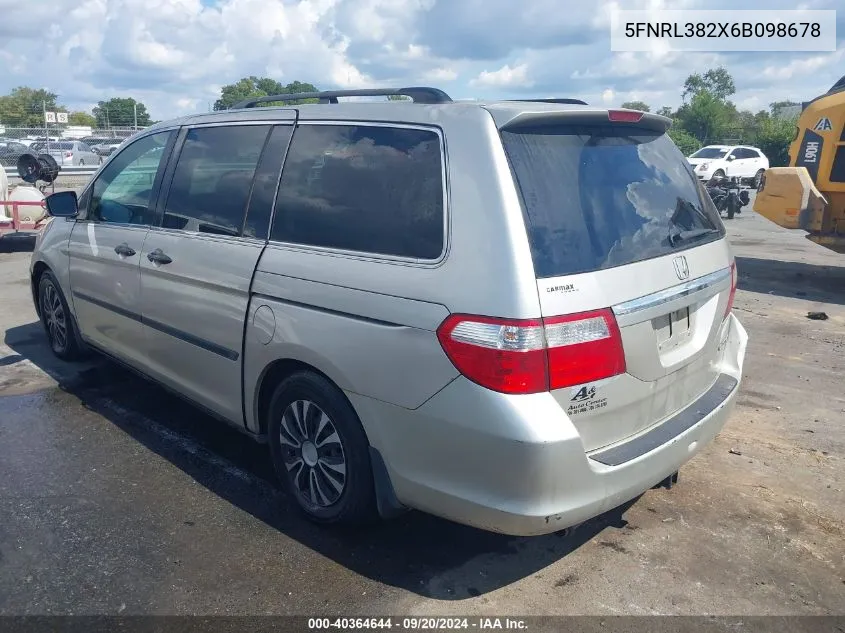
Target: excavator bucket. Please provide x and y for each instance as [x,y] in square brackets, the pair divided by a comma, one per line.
[788,197]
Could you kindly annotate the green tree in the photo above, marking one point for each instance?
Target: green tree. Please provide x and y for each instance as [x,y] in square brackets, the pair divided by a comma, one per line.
[24,107]
[706,117]
[774,136]
[81,118]
[642,106]
[250,87]
[716,81]
[120,112]
[777,106]
[666,111]
[685,141]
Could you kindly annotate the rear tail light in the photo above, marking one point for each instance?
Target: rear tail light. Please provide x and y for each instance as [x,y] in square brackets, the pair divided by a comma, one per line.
[531,356]
[68,154]
[734,281]
[624,116]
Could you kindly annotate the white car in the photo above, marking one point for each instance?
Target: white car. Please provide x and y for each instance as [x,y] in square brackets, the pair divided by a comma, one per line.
[739,161]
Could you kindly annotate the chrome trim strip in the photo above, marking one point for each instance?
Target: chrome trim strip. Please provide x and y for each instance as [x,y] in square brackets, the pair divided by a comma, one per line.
[670,294]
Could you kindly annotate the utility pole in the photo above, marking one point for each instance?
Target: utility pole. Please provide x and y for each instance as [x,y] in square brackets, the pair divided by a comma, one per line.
[135,110]
[46,131]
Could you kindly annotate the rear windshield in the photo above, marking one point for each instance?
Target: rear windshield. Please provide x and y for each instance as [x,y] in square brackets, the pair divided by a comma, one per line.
[710,152]
[596,199]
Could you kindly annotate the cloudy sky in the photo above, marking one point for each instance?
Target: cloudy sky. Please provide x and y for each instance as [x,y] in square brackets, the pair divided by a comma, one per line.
[175,54]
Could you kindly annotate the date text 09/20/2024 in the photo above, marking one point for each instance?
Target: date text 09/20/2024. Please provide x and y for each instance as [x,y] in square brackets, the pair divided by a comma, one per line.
[416,623]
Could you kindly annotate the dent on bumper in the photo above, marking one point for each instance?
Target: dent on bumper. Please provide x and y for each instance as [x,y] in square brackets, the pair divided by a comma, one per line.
[520,469]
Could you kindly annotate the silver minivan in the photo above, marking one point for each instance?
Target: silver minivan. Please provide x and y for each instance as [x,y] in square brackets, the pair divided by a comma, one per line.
[515,315]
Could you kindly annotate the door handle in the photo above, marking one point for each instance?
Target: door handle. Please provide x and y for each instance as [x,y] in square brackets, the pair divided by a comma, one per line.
[158,257]
[124,249]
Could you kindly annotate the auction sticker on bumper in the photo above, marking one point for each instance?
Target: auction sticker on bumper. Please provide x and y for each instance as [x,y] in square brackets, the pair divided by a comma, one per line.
[585,399]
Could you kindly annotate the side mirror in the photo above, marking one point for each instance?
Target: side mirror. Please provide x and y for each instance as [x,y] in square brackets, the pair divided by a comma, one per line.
[731,157]
[63,204]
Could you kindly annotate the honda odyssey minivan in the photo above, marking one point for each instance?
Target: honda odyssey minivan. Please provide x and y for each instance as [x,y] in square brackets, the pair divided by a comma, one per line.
[512,314]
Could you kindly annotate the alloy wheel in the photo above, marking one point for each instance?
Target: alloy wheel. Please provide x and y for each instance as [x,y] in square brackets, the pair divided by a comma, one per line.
[313,454]
[54,317]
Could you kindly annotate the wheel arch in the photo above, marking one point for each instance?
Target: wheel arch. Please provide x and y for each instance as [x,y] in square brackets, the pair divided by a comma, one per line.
[274,373]
[38,270]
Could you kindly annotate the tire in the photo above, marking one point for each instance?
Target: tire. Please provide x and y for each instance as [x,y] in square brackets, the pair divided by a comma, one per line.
[81,162]
[56,319]
[719,173]
[308,463]
[732,205]
[758,179]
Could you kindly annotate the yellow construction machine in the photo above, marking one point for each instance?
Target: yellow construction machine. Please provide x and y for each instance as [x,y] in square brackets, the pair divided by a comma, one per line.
[810,193]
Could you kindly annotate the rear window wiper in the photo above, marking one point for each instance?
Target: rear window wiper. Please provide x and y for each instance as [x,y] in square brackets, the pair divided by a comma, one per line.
[677,235]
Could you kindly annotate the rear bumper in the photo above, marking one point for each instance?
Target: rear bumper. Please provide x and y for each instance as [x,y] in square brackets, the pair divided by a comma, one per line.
[516,465]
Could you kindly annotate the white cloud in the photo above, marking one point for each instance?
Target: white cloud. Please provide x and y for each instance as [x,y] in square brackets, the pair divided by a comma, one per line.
[803,67]
[175,55]
[505,77]
[440,74]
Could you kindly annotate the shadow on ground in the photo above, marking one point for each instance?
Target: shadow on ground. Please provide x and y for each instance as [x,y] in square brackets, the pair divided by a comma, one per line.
[811,282]
[407,552]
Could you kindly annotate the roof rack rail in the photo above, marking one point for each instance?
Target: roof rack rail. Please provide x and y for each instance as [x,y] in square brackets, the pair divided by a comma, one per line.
[420,94]
[570,101]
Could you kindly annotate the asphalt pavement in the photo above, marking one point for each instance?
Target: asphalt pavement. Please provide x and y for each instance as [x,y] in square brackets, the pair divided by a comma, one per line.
[117,498]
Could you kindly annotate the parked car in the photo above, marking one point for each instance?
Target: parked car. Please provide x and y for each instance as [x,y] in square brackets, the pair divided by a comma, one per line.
[68,152]
[107,147]
[514,315]
[739,161]
[11,151]
[94,141]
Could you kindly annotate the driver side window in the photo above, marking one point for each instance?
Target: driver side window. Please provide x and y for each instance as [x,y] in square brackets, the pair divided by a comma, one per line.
[122,192]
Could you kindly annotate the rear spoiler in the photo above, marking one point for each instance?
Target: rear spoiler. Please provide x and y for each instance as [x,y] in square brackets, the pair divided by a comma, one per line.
[622,117]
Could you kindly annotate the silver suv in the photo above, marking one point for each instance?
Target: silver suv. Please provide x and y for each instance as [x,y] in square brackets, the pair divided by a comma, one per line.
[515,315]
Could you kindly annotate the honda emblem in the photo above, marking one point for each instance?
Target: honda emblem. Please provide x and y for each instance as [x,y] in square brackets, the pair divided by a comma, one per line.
[681,267]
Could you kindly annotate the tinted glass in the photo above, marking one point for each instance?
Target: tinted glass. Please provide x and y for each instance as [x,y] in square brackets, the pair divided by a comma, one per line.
[710,152]
[257,223]
[363,188]
[595,198]
[123,190]
[212,179]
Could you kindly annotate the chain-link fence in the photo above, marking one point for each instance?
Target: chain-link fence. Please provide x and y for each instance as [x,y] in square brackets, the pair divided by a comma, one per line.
[70,145]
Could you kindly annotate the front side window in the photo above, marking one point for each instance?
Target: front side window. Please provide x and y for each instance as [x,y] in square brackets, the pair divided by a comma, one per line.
[212,179]
[122,192]
[369,189]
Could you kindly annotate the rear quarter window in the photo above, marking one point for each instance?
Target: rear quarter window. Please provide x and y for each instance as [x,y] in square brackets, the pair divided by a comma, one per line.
[363,188]
[600,197]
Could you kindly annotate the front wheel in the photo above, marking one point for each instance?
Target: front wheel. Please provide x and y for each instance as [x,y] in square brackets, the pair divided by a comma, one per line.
[719,173]
[320,451]
[758,179]
[56,319]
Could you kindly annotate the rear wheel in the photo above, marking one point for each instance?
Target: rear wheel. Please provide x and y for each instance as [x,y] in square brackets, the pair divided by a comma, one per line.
[320,450]
[758,178]
[56,319]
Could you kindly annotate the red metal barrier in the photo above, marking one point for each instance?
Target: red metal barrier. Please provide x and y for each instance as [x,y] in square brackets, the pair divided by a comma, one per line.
[14,224]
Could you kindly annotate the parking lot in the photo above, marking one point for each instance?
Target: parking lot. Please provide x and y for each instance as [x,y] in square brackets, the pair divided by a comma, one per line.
[118,498]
